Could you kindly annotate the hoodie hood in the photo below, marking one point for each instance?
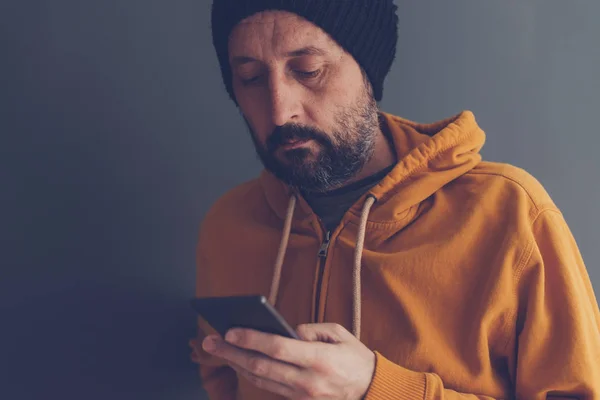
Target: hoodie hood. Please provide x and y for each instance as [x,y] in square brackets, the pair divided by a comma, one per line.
[429,157]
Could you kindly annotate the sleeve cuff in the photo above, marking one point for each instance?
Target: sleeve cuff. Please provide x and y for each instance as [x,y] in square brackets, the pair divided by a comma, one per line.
[392,381]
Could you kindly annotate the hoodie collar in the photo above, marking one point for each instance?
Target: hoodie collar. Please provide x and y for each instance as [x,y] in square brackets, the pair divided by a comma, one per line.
[429,157]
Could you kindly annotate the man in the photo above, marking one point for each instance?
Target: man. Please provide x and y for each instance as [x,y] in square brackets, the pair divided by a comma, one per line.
[412,269]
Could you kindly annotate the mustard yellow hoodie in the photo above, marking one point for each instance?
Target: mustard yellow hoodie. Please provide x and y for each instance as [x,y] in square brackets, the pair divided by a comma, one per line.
[470,284]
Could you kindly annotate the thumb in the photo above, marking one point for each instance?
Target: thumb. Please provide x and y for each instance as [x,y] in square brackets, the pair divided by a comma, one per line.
[327,333]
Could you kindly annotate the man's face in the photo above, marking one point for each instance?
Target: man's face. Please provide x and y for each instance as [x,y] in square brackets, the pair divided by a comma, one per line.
[305,100]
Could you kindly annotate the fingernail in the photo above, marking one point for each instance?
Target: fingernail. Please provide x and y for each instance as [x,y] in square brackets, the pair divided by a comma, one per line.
[209,344]
[232,336]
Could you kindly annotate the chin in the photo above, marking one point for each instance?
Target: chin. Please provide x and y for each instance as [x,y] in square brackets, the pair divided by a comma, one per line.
[289,158]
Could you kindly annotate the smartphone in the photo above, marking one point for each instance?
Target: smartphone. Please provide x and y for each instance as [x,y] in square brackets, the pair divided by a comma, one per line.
[252,312]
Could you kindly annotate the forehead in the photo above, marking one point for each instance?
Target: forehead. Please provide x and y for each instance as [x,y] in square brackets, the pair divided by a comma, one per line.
[277,33]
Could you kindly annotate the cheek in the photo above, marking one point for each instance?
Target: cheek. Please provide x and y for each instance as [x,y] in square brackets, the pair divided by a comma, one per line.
[255,112]
[346,84]
[336,96]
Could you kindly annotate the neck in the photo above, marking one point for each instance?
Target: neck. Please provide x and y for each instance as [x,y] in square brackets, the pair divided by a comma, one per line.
[384,156]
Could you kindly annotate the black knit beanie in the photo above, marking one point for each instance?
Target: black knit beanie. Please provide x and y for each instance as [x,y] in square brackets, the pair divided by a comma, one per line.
[367,29]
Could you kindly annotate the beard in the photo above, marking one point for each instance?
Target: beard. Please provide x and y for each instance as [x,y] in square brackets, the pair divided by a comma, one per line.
[332,159]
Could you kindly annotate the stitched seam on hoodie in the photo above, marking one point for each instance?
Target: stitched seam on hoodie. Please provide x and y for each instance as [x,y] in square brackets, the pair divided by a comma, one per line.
[519,272]
[382,224]
[427,386]
[511,320]
[538,207]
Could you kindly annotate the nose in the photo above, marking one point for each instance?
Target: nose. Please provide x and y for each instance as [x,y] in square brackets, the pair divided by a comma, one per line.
[284,101]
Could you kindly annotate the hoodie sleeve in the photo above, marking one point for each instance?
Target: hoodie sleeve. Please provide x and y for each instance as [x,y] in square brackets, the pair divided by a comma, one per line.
[557,345]
[219,380]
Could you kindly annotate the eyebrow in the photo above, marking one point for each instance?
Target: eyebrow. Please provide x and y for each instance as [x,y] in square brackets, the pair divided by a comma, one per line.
[305,51]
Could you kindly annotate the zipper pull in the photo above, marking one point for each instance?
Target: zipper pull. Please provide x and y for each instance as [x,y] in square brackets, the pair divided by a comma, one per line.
[325,245]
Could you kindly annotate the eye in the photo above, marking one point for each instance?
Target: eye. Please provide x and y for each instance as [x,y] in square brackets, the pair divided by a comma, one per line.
[250,81]
[309,74]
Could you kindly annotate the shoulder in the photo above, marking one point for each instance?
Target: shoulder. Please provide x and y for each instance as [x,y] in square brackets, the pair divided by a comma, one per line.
[238,219]
[510,185]
[235,201]
[234,208]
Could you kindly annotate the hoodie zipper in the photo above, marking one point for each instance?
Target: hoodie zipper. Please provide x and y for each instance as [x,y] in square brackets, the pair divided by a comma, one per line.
[323,250]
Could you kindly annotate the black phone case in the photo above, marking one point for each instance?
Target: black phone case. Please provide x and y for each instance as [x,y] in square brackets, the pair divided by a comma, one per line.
[252,312]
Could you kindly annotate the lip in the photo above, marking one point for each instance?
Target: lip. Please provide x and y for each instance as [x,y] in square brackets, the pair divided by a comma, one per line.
[294,145]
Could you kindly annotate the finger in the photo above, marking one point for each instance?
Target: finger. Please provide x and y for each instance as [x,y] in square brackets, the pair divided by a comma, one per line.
[328,333]
[264,383]
[291,351]
[259,364]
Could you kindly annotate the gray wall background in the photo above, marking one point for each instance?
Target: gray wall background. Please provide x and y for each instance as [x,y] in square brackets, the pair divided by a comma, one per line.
[117,135]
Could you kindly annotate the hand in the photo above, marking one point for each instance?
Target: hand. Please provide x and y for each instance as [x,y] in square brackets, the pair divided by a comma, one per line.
[328,363]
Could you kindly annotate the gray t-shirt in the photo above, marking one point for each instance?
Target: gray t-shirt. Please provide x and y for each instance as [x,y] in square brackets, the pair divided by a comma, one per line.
[331,206]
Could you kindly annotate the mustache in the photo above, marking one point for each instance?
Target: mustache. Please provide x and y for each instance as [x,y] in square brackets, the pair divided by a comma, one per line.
[288,133]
